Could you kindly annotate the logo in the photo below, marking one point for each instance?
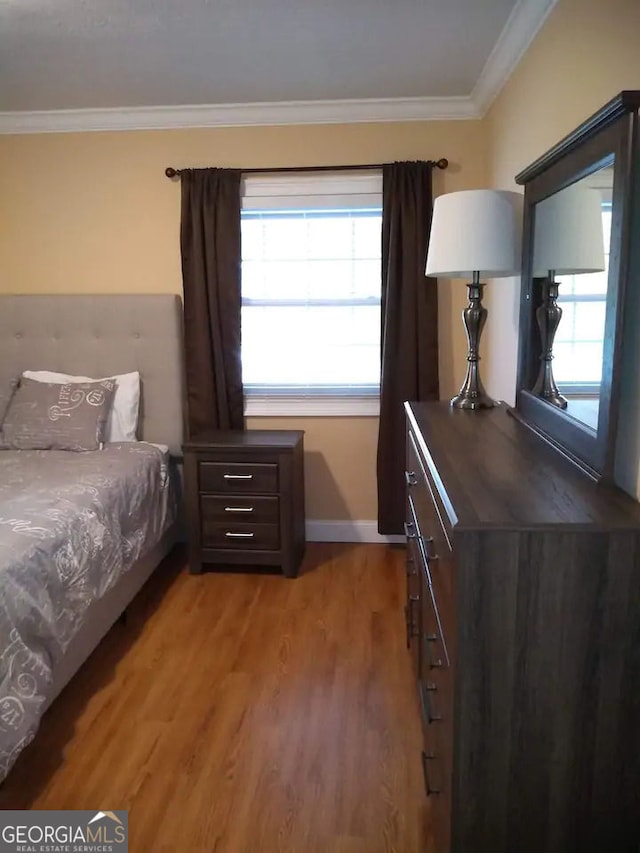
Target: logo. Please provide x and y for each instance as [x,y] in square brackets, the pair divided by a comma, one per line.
[64,832]
[100,815]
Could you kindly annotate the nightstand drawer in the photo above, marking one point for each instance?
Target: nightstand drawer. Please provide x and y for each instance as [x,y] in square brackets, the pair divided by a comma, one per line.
[241,508]
[237,536]
[238,477]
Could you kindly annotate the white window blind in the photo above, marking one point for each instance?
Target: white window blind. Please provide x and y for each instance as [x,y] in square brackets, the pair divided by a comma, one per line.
[578,346]
[311,283]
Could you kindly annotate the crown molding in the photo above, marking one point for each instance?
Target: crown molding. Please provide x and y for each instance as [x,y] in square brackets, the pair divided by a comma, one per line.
[523,24]
[238,115]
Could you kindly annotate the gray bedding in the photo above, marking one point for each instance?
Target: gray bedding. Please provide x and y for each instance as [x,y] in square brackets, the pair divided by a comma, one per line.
[70,525]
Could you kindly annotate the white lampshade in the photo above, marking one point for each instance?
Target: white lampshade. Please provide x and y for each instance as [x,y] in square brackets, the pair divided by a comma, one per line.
[475,231]
[568,235]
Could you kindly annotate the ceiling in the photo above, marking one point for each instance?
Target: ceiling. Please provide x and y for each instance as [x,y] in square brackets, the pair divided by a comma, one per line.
[94,55]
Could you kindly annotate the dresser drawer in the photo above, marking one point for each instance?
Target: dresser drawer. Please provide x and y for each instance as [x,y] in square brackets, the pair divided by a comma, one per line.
[435,652]
[238,477]
[430,509]
[413,606]
[438,602]
[238,536]
[240,508]
[438,705]
[437,783]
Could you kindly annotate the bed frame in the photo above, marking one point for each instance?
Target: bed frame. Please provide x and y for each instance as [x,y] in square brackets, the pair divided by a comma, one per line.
[99,336]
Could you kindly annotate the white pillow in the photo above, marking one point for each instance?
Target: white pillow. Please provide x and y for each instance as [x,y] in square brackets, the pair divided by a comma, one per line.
[122,424]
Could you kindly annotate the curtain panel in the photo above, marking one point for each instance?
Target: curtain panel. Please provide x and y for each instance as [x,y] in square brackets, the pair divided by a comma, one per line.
[409,326]
[211,259]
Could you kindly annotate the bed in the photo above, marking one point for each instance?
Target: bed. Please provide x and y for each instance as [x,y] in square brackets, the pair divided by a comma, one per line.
[80,533]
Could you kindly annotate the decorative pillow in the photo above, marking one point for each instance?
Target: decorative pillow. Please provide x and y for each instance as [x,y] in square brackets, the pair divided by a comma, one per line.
[7,388]
[48,416]
[123,418]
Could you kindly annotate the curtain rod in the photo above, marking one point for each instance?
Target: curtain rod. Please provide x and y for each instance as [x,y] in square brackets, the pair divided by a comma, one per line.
[170,172]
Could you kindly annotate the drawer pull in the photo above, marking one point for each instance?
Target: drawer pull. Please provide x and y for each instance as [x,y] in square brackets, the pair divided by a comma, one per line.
[413,630]
[410,568]
[429,544]
[238,476]
[427,711]
[410,477]
[433,664]
[239,535]
[238,509]
[429,756]
[410,530]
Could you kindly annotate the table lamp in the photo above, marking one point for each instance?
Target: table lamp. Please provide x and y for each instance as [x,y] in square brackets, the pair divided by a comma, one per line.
[475,233]
[568,240]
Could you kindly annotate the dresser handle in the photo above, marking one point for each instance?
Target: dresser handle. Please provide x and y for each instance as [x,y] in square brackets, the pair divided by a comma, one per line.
[429,756]
[238,476]
[428,541]
[410,477]
[239,535]
[410,568]
[408,526]
[433,664]
[409,619]
[238,509]
[432,717]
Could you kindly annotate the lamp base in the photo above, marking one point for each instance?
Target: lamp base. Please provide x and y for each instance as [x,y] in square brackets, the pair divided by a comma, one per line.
[472,394]
[548,315]
[472,400]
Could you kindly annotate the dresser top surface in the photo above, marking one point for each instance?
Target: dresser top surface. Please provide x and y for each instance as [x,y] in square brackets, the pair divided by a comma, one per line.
[251,438]
[492,471]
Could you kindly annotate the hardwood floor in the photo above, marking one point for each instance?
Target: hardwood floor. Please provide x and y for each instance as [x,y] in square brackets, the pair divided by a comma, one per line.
[237,713]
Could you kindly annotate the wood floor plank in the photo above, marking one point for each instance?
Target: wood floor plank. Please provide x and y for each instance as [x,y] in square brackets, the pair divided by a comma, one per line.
[249,713]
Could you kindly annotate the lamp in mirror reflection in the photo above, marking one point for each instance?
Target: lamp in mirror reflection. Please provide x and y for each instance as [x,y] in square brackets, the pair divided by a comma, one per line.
[475,233]
[568,240]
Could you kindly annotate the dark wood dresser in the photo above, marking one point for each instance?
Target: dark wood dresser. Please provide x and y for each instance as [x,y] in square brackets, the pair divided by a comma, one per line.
[245,499]
[523,619]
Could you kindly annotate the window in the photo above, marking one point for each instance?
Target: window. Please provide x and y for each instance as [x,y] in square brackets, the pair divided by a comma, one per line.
[577,350]
[311,284]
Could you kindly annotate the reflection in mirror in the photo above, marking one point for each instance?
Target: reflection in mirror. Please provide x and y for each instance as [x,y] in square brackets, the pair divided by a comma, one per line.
[571,252]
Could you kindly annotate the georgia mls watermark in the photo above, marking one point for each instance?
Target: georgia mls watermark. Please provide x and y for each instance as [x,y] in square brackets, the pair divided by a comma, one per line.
[64,832]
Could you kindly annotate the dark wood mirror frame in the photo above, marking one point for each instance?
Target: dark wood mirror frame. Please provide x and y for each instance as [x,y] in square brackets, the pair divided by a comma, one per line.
[612,131]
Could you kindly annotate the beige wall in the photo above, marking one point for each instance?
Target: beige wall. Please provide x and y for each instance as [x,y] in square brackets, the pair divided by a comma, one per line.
[587,52]
[93,213]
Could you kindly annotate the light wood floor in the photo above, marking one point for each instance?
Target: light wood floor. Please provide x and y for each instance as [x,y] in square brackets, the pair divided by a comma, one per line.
[251,713]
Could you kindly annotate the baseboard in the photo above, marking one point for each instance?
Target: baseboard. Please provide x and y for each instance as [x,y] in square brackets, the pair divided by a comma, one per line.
[348,531]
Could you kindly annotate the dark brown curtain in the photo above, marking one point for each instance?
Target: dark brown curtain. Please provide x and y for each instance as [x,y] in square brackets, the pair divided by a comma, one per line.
[409,326]
[210,245]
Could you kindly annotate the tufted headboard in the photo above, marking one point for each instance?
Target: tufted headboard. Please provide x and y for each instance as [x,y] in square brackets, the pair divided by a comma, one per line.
[100,336]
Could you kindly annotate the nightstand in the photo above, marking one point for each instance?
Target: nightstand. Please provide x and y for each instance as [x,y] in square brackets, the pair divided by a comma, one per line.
[245,499]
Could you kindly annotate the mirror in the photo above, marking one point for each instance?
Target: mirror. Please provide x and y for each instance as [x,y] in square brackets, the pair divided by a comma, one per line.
[578,258]
[571,248]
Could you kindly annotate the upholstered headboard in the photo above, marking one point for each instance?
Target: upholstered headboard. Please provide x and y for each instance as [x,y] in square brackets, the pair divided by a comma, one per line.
[100,336]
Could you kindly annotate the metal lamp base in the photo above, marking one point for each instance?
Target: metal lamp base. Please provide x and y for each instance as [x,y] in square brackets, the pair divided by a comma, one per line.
[472,400]
[548,315]
[472,394]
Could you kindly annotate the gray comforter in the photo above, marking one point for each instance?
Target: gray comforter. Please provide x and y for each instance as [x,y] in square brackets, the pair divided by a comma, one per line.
[70,525]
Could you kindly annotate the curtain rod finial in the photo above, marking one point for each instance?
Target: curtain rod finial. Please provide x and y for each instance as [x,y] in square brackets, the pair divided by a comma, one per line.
[170,172]
[442,163]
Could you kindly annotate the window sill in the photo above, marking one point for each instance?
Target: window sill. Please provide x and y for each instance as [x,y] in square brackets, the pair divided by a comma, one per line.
[314,407]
